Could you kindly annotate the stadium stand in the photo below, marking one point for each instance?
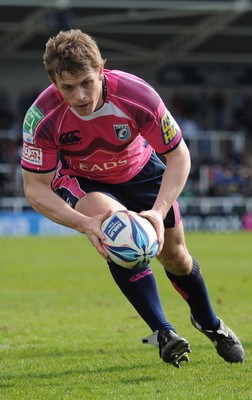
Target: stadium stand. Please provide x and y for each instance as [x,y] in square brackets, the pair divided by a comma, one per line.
[196,53]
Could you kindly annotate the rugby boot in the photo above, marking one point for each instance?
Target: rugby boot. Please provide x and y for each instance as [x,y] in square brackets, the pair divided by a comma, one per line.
[227,344]
[173,349]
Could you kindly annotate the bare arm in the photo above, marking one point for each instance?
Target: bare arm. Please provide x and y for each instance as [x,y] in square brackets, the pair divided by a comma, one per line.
[173,182]
[38,191]
[174,179]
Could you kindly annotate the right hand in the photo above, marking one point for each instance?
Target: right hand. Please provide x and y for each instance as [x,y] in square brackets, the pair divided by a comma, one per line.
[95,234]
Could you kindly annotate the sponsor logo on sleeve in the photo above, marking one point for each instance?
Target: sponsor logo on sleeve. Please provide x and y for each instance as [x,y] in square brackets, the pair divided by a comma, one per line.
[169,128]
[32,154]
[122,132]
[32,118]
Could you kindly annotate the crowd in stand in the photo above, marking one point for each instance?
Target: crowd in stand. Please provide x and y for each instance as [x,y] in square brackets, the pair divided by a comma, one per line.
[228,174]
[11,142]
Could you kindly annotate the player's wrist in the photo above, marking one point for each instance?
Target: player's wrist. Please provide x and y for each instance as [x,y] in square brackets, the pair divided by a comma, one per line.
[80,222]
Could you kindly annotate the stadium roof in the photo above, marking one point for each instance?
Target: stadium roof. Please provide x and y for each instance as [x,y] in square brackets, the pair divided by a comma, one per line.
[134,32]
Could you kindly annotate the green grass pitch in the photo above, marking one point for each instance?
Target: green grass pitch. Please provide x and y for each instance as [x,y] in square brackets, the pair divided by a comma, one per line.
[66,331]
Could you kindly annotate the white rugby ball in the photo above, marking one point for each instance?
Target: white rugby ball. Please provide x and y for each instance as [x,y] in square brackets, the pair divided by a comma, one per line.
[130,240]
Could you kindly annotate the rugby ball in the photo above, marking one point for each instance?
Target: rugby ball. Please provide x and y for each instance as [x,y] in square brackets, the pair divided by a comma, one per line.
[130,240]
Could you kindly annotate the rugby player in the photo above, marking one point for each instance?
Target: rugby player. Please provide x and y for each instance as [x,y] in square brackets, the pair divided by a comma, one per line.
[92,141]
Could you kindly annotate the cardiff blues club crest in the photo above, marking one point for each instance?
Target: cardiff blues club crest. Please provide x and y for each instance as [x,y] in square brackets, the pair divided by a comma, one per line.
[122,132]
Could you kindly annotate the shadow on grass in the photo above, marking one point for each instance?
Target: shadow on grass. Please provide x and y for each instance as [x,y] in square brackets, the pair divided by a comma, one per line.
[117,369]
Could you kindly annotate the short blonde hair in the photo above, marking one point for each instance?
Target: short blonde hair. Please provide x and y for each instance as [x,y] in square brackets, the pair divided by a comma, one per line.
[72,51]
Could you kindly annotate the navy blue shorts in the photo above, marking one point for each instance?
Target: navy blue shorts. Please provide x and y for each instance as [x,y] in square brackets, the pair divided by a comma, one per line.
[137,195]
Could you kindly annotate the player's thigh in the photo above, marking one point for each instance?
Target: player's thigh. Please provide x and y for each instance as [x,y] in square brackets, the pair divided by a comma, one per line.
[175,256]
[94,203]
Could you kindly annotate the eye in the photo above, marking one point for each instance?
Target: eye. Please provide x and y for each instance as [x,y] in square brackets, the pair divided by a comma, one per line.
[87,83]
[67,88]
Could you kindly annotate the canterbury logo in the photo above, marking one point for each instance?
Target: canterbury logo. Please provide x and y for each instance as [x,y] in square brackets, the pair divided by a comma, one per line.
[70,137]
[141,275]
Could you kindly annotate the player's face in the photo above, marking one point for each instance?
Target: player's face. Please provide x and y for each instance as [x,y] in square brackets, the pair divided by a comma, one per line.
[84,92]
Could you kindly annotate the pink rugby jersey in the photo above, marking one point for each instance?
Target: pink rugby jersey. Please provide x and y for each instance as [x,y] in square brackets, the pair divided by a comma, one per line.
[111,145]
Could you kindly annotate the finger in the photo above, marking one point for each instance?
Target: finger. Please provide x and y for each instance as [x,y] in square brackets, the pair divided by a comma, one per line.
[97,243]
[102,251]
[160,247]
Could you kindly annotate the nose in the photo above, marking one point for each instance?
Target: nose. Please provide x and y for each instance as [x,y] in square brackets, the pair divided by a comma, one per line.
[80,94]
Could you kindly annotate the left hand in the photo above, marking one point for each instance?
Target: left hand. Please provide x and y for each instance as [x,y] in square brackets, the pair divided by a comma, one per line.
[155,218]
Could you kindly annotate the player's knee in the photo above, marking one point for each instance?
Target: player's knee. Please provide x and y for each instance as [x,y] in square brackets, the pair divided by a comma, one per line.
[94,203]
[178,262]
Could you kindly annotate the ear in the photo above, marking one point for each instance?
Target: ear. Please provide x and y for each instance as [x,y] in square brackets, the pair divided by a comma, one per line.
[101,73]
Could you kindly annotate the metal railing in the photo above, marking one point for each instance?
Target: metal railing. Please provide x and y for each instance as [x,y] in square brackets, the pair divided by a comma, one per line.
[193,205]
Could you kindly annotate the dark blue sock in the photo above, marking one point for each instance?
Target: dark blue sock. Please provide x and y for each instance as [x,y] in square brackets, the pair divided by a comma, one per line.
[139,286]
[193,289]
